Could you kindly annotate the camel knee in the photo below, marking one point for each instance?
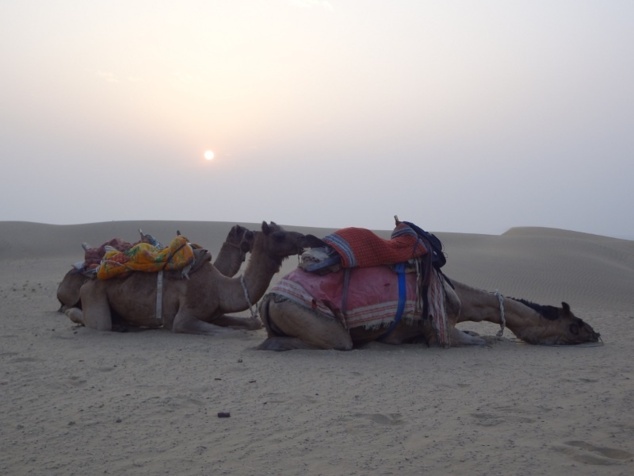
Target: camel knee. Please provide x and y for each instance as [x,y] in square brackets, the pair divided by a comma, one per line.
[75,315]
[290,326]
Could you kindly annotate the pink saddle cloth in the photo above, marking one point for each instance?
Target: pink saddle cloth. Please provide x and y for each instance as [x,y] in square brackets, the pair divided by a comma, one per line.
[372,298]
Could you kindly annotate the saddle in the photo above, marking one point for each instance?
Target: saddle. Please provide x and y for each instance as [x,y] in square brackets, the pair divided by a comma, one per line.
[360,247]
[409,249]
[145,257]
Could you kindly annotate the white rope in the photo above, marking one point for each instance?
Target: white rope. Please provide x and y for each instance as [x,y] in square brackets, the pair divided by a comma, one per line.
[254,314]
[502,318]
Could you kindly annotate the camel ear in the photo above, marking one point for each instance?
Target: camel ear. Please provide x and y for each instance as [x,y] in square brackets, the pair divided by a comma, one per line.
[566,307]
[265,228]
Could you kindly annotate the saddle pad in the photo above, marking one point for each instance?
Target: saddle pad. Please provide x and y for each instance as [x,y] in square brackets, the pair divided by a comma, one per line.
[147,258]
[372,294]
[359,247]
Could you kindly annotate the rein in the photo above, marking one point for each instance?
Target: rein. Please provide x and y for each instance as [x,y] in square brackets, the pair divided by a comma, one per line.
[243,254]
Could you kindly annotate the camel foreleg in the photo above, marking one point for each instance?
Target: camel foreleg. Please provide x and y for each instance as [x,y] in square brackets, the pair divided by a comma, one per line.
[74,314]
[460,338]
[235,322]
[186,323]
[95,312]
[291,326]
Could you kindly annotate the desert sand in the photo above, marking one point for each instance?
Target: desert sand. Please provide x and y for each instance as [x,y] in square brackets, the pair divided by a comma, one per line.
[75,401]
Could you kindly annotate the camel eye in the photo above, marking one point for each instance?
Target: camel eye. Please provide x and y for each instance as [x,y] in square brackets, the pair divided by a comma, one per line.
[574,329]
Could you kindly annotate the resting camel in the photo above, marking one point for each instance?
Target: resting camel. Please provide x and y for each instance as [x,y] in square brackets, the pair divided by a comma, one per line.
[308,311]
[196,305]
[291,325]
[232,254]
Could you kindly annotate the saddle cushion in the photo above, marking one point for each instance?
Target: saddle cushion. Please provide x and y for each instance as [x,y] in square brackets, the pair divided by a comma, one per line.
[146,258]
[359,247]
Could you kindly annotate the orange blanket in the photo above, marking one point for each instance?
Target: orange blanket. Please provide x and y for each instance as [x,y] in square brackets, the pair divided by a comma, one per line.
[146,258]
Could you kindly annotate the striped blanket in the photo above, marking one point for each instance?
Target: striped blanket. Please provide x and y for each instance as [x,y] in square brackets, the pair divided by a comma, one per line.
[372,298]
[359,247]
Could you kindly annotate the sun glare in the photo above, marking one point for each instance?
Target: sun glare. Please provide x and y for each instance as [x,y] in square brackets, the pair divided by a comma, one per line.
[209,155]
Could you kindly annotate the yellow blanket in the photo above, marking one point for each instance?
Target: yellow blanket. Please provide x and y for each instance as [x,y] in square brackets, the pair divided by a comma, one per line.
[146,258]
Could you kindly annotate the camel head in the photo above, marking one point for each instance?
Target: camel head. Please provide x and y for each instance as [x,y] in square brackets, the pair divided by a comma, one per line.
[277,242]
[579,331]
[246,243]
[242,238]
[561,327]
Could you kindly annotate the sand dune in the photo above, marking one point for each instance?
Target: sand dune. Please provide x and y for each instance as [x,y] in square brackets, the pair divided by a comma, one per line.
[78,401]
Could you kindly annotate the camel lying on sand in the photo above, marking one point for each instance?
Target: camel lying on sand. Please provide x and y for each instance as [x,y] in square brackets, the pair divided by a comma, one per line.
[196,305]
[291,325]
[232,254]
[313,311]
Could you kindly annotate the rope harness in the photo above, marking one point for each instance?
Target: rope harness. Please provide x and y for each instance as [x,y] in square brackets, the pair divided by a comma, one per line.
[254,314]
[502,318]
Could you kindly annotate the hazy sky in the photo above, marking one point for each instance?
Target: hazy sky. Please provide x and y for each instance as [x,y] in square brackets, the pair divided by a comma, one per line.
[461,116]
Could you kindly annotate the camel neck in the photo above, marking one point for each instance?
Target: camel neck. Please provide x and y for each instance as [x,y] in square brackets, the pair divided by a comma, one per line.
[258,274]
[229,259]
[478,305]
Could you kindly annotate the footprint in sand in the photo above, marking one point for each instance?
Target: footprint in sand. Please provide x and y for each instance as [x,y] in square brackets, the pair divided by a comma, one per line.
[505,415]
[587,453]
[358,422]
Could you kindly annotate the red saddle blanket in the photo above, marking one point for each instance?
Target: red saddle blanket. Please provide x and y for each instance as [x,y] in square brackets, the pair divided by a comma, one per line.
[359,247]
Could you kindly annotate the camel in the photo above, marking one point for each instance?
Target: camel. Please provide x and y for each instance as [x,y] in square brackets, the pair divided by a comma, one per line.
[304,311]
[232,254]
[196,305]
[291,325]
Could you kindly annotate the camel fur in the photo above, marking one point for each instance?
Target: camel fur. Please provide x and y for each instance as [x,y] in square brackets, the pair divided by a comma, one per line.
[197,305]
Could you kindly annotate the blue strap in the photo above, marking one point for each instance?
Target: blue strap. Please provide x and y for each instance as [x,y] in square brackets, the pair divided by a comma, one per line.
[402,296]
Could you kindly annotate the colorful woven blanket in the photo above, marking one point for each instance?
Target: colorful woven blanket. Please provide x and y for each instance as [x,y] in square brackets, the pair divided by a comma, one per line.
[372,297]
[93,256]
[147,258]
[359,247]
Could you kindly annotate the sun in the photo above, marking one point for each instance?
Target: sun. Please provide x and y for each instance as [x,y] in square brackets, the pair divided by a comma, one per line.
[209,155]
